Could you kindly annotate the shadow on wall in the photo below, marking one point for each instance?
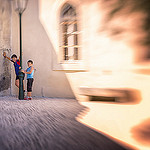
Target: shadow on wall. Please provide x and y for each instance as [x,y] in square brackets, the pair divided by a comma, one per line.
[37,46]
[5,29]
[5,77]
[141,132]
[52,125]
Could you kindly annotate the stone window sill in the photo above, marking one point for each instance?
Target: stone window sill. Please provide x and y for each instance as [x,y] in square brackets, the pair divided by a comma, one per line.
[77,66]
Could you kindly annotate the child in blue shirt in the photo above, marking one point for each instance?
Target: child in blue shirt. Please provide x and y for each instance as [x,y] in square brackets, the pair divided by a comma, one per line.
[30,72]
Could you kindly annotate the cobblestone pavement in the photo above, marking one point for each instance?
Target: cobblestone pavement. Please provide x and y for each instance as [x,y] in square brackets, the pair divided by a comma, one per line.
[47,124]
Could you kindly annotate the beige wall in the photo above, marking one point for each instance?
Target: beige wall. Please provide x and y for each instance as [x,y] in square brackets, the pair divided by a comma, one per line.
[97,48]
[107,62]
[38,47]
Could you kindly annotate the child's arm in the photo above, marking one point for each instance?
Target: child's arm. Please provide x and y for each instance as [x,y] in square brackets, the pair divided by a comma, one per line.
[4,54]
[29,71]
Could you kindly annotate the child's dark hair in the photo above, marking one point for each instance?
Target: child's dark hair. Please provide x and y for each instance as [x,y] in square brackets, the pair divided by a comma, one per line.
[14,56]
[30,61]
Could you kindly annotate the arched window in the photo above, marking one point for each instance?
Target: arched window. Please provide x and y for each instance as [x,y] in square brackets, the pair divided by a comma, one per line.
[69,33]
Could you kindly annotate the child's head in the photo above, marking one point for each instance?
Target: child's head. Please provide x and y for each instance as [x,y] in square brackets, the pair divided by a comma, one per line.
[14,57]
[30,63]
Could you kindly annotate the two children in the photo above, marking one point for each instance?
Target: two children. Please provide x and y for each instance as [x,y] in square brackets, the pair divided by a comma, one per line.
[29,71]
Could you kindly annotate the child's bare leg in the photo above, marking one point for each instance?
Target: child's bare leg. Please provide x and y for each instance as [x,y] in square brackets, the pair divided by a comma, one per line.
[17,83]
[29,94]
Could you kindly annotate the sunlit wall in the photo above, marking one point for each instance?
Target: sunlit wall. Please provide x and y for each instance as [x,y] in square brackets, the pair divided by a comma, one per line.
[112,58]
[107,60]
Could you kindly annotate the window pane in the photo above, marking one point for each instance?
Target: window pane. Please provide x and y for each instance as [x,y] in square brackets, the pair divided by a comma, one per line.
[71,40]
[71,53]
[65,53]
[64,28]
[68,10]
[70,28]
[65,41]
[76,39]
[65,37]
[76,54]
[75,27]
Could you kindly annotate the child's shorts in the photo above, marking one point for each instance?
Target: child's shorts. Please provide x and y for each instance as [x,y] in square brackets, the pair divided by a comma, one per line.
[17,77]
[29,84]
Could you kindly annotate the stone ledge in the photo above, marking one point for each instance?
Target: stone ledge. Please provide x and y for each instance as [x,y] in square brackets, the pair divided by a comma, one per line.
[111,94]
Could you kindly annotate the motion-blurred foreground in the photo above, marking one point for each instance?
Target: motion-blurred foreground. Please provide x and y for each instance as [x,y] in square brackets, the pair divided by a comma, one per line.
[89,50]
[48,124]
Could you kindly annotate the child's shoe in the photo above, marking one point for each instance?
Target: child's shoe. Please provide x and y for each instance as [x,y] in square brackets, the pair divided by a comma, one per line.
[25,98]
[25,93]
[29,98]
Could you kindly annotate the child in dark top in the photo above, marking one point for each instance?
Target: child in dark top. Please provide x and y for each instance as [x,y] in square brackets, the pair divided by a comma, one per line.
[16,65]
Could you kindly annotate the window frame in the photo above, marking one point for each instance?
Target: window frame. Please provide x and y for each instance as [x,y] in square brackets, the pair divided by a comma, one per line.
[58,63]
[64,57]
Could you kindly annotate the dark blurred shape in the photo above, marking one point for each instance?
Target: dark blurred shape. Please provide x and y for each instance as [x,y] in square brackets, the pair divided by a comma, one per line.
[117,14]
[102,98]
[117,7]
[141,132]
[125,10]
[125,95]
[5,77]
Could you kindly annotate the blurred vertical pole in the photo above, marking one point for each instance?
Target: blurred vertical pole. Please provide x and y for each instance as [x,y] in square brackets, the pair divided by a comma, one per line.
[21,92]
[20,6]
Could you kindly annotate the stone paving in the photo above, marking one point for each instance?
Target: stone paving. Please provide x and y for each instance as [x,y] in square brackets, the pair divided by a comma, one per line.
[47,124]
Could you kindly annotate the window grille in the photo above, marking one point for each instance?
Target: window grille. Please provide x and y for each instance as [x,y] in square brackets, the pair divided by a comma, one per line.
[69,33]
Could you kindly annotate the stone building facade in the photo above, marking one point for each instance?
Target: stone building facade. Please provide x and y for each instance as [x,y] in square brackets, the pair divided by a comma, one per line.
[5,46]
